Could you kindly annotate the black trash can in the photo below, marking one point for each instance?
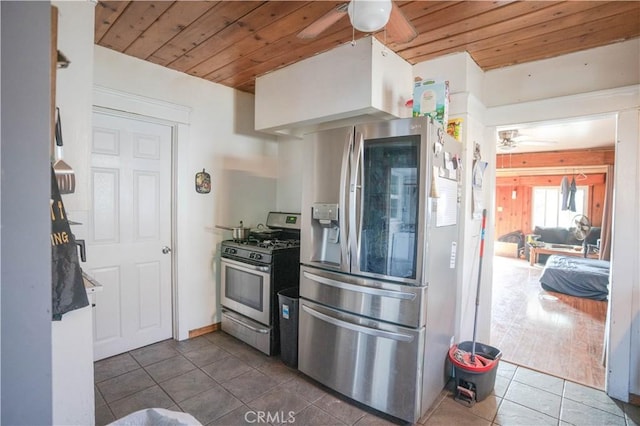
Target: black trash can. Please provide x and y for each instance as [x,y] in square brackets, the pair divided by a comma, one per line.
[288,304]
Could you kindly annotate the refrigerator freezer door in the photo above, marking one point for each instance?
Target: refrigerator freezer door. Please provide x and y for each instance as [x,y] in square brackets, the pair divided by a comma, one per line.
[323,240]
[384,301]
[375,363]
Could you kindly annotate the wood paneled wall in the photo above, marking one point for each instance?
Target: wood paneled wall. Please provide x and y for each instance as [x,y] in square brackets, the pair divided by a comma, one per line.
[536,169]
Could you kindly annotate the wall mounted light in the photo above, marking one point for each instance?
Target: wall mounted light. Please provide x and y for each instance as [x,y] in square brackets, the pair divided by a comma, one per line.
[368,16]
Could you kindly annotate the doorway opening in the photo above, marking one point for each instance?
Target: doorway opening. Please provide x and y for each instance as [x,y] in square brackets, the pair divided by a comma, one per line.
[555,332]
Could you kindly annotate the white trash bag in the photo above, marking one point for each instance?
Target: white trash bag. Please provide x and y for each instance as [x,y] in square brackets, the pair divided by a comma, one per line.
[157,417]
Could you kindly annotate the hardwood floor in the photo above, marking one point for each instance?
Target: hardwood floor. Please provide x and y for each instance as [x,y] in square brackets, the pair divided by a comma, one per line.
[546,331]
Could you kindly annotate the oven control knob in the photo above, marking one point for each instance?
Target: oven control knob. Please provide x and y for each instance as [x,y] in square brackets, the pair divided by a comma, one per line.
[258,256]
[230,250]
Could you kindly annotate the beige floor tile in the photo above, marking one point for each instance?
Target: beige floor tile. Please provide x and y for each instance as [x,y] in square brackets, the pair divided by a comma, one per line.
[487,408]
[580,414]
[534,398]
[341,409]
[450,413]
[313,415]
[512,414]
[210,404]
[279,400]
[152,397]
[539,380]
[592,397]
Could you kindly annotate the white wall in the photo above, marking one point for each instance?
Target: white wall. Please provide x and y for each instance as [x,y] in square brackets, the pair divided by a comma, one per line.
[291,163]
[590,70]
[242,163]
[72,337]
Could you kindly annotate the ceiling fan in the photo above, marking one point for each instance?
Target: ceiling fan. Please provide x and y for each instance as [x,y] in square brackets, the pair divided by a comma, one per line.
[367,16]
[508,140]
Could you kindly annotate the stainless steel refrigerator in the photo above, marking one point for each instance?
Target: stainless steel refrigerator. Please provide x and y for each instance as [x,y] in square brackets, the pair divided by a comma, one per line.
[378,262]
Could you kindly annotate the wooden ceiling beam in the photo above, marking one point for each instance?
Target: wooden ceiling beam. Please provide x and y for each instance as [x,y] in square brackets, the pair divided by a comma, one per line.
[568,158]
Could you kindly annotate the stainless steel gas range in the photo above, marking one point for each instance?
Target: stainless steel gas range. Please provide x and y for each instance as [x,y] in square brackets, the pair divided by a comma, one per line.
[253,271]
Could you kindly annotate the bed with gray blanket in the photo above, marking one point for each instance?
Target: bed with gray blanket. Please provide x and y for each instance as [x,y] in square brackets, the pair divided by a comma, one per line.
[576,276]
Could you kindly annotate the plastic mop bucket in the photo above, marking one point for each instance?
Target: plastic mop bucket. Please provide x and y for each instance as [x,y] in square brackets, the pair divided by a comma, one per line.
[474,379]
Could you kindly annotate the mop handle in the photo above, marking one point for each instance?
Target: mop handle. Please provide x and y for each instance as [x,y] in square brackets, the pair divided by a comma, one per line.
[475,319]
[484,225]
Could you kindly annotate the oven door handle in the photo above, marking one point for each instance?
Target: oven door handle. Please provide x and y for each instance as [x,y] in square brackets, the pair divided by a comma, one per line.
[244,324]
[246,266]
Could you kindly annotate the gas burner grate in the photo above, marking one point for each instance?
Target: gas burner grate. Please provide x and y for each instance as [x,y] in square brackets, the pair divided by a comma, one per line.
[278,244]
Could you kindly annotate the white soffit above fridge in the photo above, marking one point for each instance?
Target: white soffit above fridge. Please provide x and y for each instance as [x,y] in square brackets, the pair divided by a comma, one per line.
[364,80]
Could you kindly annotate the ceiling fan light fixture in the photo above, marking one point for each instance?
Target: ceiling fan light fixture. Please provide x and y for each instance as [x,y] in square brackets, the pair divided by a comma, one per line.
[369,16]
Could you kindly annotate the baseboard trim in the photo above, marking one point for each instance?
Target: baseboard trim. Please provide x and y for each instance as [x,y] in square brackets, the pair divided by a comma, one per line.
[634,399]
[204,330]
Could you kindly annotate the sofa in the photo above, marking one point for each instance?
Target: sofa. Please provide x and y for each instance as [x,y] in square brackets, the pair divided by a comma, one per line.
[559,235]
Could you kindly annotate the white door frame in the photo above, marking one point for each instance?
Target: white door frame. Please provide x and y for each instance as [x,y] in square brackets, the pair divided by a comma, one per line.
[114,102]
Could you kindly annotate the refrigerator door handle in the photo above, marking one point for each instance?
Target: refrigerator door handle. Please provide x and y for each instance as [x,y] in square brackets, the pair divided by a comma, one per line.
[344,201]
[358,328]
[360,289]
[355,191]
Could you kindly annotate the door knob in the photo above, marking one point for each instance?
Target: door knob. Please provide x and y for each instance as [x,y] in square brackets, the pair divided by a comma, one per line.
[166,249]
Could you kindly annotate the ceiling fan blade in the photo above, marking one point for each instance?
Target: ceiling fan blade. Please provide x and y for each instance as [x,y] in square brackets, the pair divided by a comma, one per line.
[324,22]
[399,28]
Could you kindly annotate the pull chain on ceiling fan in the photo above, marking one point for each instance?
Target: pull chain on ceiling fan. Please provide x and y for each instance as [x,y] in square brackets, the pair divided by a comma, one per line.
[367,16]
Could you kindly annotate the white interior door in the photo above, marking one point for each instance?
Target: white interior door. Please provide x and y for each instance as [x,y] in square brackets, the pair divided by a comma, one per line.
[129,233]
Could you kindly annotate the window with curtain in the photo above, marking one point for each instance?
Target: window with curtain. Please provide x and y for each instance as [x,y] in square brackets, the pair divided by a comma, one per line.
[546,206]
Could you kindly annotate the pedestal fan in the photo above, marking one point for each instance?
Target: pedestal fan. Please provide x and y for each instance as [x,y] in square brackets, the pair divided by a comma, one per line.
[581,230]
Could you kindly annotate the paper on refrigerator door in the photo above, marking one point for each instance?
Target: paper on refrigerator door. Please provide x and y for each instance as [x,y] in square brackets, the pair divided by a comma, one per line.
[447,202]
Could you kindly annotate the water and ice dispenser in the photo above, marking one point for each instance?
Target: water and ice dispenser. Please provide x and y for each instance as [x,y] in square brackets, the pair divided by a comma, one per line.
[326,233]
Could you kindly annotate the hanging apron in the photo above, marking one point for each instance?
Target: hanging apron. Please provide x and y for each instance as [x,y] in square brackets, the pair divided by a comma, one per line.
[67,292]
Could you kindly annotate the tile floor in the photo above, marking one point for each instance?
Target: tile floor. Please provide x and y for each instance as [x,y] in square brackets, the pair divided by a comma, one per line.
[218,380]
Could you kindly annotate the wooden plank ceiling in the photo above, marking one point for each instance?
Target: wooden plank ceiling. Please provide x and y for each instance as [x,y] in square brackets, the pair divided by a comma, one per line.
[233,42]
